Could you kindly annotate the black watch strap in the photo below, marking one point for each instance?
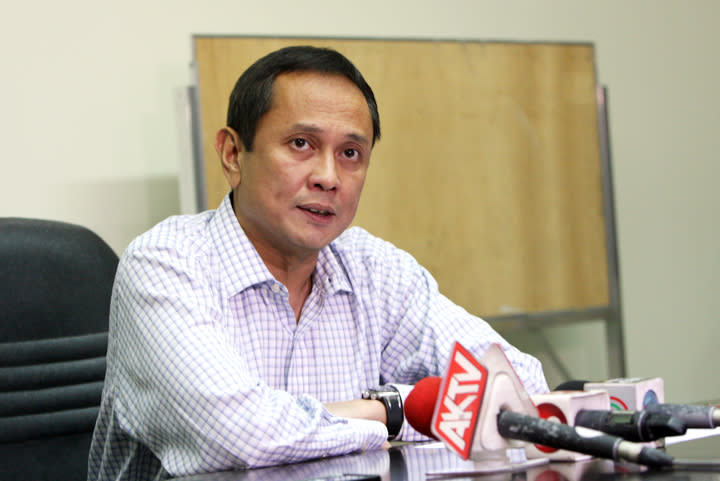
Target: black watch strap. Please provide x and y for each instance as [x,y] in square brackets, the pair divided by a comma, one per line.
[390,397]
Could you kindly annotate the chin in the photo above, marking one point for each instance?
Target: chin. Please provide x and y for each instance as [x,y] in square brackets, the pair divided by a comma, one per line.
[317,243]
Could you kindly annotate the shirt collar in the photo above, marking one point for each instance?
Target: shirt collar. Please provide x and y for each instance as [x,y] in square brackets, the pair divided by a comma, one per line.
[330,272]
[243,267]
[241,264]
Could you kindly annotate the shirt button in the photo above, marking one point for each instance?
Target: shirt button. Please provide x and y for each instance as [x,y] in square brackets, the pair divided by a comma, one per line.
[275,288]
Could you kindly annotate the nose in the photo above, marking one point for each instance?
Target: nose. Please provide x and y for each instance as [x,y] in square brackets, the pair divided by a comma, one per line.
[324,174]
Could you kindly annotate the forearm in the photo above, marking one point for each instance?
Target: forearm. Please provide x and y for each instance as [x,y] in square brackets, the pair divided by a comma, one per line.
[243,427]
[369,409]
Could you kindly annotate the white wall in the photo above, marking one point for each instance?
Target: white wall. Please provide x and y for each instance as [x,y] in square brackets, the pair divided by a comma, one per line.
[88,129]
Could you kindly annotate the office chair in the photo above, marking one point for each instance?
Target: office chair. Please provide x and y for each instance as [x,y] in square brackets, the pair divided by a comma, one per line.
[55,285]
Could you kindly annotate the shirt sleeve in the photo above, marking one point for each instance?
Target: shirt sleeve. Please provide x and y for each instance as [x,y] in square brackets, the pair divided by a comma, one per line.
[423,325]
[181,390]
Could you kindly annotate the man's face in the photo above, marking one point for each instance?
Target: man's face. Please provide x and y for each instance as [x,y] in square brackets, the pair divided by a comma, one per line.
[299,188]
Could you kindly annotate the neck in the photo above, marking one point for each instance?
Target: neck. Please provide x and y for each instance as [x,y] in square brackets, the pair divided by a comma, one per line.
[293,270]
[292,267]
[296,275]
[297,278]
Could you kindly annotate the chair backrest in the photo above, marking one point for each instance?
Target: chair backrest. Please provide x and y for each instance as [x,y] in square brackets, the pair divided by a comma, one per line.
[55,284]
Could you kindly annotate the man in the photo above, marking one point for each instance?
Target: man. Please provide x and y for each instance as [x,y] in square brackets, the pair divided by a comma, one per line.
[243,337]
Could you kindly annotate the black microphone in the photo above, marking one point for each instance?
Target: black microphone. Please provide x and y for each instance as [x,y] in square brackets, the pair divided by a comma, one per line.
[582,440]
[639,426]
[692,415]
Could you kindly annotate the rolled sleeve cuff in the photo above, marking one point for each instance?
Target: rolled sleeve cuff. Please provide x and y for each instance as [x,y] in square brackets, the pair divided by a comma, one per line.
[372,434]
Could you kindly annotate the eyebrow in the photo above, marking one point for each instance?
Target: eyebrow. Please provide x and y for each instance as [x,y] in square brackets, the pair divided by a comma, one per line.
[315,129]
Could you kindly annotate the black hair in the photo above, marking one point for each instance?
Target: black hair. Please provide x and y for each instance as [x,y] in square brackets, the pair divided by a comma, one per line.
[252,95]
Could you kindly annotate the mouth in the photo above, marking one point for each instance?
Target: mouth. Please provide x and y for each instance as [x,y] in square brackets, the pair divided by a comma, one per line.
[318,211]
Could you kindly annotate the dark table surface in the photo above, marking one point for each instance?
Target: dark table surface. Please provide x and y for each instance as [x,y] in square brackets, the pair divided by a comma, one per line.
[415,462]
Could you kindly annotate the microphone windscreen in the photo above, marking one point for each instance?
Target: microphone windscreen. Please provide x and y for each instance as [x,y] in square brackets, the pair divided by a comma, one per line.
[572,385]
[420,404]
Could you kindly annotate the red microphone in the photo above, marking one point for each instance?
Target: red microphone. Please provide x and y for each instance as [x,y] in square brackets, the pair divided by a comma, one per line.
[420,404]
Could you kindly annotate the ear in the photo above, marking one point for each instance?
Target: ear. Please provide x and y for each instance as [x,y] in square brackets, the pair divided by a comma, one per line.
[228,147]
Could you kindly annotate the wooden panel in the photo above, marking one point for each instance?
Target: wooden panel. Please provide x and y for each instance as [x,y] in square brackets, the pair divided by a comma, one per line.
[488,170]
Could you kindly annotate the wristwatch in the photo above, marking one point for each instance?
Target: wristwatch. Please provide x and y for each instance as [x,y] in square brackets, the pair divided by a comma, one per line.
[390,397]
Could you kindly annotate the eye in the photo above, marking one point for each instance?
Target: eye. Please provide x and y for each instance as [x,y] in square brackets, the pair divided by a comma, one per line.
[351,153]
[300,143]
